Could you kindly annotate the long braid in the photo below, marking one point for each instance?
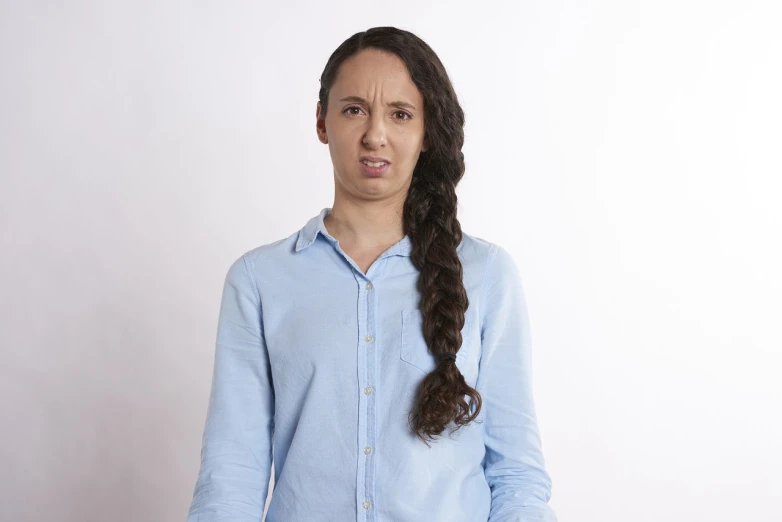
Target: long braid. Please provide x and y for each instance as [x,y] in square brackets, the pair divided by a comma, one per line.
[430,221]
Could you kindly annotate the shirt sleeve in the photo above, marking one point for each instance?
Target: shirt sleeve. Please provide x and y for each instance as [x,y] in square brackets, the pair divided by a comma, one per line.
[236,451]
[514,464]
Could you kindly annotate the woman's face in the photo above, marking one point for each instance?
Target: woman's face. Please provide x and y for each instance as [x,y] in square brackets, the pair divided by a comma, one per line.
[375,110]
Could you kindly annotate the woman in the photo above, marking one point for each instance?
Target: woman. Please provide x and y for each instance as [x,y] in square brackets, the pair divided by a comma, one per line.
[350,346]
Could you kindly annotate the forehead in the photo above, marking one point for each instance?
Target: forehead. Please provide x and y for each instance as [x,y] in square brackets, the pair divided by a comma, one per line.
[370,73]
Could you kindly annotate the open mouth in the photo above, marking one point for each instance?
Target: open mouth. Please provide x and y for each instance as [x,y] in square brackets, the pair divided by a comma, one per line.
[374,163]
[373,168]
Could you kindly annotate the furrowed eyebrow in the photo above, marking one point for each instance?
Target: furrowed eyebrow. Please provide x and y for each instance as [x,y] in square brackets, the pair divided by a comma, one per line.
[399,104]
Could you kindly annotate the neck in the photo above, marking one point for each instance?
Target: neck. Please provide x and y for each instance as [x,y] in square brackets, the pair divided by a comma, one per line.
[366,225]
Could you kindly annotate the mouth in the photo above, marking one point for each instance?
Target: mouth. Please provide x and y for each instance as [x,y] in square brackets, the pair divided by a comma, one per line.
[374,167]
[374,161]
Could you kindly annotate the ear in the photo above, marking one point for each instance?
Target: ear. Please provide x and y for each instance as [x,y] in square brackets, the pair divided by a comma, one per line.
[425,145]
[320,125]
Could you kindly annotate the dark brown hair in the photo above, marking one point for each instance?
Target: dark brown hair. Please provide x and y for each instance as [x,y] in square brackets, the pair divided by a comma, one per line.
[430,221]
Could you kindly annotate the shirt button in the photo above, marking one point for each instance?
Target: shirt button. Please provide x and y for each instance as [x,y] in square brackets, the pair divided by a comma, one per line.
[368,338]
[369,286]
[367,450]
[368,390]
[366,504]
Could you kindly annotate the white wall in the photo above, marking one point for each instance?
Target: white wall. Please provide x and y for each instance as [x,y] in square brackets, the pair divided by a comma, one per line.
[627,152]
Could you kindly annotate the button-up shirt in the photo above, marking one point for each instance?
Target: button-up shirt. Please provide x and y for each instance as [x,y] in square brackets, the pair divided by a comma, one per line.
[316,368]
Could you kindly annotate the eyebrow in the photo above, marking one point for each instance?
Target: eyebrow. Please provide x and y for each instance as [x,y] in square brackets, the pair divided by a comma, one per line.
[400,104]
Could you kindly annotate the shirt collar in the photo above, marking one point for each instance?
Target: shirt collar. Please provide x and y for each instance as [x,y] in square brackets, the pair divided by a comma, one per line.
[309,233]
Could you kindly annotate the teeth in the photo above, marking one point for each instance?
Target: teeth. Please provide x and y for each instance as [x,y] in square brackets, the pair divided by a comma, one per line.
[371,164]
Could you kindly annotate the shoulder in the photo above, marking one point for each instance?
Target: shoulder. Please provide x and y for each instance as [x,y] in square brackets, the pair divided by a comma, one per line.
[492,260]
[262,258]
[475,250]
[274,252]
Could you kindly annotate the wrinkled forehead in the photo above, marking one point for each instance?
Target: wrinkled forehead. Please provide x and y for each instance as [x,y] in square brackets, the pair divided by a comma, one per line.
[372,74]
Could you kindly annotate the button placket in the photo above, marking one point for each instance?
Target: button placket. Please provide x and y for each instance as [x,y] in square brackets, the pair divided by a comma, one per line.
[369,304]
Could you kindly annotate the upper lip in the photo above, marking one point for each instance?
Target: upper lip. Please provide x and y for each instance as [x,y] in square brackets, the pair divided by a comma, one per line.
[373,159]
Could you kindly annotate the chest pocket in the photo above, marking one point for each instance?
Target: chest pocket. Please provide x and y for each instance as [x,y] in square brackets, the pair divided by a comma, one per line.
[413,348]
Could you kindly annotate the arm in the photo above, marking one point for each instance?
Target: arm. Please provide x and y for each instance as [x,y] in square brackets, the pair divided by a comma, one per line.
[514,465]
[236,448]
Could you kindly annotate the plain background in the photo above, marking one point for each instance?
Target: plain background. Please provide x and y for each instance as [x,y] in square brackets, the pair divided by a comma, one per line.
[626,152]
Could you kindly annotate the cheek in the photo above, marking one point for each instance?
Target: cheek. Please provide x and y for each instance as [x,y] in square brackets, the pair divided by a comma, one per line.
[410,146]
[340,145]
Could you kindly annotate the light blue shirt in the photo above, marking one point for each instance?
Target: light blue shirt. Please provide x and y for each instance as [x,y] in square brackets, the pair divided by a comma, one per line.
[320,362]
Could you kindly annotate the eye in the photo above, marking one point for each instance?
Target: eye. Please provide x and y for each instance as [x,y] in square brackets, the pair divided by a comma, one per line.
[406,116]
[345,111]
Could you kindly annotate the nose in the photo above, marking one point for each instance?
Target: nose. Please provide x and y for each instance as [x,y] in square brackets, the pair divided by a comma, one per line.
[375,135]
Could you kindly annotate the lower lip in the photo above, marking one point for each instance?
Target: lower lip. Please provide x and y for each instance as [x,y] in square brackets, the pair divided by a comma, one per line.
[373,171]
